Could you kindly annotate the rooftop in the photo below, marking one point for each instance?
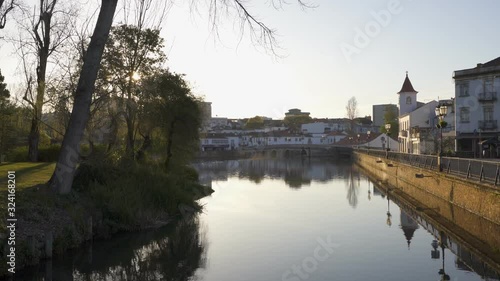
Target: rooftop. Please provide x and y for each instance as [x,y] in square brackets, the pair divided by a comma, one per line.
[490,67]
[407,86]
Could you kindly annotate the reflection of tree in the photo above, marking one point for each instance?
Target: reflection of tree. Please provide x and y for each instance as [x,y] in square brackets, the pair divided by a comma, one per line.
[295,180]
[352,190]
[295,171]
[171,253]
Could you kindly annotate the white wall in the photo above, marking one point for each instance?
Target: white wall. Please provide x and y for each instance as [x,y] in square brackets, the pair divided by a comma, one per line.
[476,87]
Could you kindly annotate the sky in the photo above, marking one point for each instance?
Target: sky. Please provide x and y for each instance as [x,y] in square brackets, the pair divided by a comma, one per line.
[328,54]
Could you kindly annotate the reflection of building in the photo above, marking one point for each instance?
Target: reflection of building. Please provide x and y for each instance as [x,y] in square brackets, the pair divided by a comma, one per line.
[408,225]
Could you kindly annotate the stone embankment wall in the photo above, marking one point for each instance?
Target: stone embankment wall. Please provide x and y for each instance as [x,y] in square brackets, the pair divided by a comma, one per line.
[470,205]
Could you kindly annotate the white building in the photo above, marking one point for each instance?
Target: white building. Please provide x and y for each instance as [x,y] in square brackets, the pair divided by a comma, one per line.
[417,133]
[477,108]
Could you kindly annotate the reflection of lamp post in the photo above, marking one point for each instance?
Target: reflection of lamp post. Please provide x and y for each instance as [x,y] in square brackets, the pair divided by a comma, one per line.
[441,112]
[369,192]
[441,272]
[389,222]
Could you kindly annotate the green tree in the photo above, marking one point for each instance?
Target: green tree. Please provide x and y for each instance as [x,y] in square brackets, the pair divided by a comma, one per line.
[391,117]
[294,122]
[131,55]
[7,110]
[64,173]
[169,106]
[253,123]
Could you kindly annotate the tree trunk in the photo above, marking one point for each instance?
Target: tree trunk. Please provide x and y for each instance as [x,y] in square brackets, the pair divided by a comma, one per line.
[130,134]
[146,145]
[169,144]
[33,140]
[62,179]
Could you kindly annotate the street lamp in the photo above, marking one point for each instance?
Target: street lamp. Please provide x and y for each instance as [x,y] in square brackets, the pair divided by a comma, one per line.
[368,136]
[441,112]
[387,132]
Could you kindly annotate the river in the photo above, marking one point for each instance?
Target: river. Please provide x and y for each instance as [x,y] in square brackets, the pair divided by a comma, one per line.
[302,219]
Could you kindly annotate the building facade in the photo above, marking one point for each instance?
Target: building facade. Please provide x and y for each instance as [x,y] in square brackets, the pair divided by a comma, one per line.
[477,109]
[379,112]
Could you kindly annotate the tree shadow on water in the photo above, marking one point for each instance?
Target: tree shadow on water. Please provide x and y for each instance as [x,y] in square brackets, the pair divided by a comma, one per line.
[172,253]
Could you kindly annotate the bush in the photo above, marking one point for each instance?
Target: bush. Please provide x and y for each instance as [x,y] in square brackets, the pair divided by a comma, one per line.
[136,195]
[49,153]
[18,154]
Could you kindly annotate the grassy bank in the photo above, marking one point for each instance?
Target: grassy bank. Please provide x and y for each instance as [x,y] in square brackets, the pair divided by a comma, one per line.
[106,198]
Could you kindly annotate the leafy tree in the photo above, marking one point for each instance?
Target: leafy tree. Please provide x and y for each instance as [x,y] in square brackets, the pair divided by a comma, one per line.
[169,105]
[131,54]
[62,178]
[391,117]
[7,111]
[253,123]
[294,122]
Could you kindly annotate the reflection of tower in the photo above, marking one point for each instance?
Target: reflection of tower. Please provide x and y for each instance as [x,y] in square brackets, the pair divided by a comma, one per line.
[408,225]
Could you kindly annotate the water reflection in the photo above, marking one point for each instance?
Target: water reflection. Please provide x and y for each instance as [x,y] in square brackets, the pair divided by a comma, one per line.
[171,253]
[295,172]
[464,258]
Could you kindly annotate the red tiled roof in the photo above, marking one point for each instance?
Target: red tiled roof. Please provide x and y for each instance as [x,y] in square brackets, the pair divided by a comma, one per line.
[407,86]
[336,134]
[353,139]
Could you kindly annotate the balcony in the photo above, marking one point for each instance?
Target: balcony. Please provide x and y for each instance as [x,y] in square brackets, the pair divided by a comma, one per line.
[403,133]
[487,96]
[487,125]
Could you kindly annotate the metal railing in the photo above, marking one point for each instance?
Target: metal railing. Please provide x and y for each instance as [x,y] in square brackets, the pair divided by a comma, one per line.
[487,96]
[474,169]
[487,124]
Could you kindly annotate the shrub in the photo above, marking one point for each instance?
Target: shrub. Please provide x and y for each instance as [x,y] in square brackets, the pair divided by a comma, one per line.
[135,195]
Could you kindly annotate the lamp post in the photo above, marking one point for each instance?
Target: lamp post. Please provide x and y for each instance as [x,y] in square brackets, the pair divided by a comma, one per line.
[387,132]
[368,138]
[441,112]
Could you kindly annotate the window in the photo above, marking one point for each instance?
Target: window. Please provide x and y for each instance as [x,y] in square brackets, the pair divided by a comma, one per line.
[464,115]
[463,89]
[488,85]
[488,113]
[408,100]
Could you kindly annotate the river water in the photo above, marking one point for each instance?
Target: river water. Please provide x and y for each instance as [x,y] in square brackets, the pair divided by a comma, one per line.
[302,219]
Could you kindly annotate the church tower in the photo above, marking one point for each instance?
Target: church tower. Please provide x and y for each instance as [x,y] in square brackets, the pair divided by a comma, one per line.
[407,97]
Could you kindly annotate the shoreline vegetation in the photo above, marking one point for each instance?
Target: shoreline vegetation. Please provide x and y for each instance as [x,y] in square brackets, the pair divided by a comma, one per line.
[108,197]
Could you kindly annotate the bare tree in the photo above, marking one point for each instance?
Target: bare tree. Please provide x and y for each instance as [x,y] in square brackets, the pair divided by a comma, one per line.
[5,8]
[352,111]
[352,108]
[46,33]
[62,178]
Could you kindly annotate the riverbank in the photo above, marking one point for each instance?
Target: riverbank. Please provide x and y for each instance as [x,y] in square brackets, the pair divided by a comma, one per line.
[105,200]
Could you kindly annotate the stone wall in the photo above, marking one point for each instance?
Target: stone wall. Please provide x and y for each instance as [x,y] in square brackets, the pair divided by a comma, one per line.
[471,206]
